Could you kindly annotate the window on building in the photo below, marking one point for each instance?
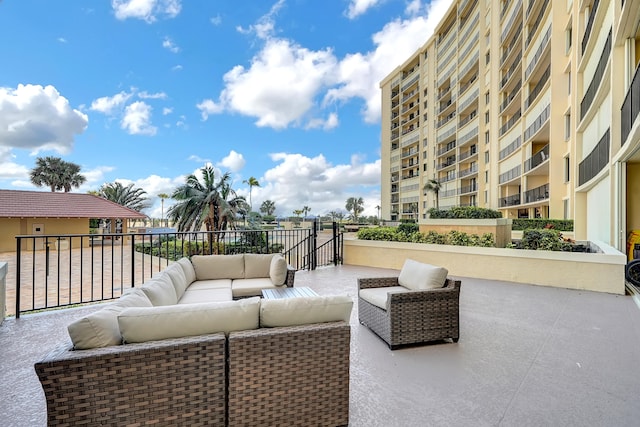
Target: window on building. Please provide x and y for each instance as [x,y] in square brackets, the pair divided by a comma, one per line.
[565,205]
[486,177]
[486,137]
[567,171]
[486,98]
[486,157]
[486,196]
[487,58]
[567,126]
[424,167]
[486,117]
[567,44]
[569,83]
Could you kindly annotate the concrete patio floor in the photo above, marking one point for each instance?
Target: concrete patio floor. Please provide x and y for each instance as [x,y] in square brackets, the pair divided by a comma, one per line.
[527,356]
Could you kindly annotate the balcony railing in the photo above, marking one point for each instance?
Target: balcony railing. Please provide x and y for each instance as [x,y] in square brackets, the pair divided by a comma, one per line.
[512,121]
[534,27]
[538,87]
[538,123]
[539,52]
[510,175]
[595,161]
[537,159]
[466,154]
[509,98]
[510,71]
[467,119]
[537,194]
[512,43]
[449,162]
[450,146]
[469,171]
[590,94]
[511,148]
[587,30]
[631,106]
[468,189]
[446,119]
[510,201]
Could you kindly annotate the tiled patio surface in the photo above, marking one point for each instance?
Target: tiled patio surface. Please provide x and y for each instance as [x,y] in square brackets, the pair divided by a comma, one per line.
[527,356]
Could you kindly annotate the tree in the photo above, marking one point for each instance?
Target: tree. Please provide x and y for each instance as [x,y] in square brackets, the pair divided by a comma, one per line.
[378,209]
[162,197]
[434,186]
[306,210]
[251,182]
[129,196]
[207,203]
[268,207]
[56,174]
[354,207]
[298,212]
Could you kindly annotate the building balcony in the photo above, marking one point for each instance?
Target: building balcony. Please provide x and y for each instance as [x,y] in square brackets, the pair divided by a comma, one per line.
[510,175]
[467,154]
[511,122]
[537,194]
[631,106]
[473,188]
[537,89]
[450,146]
[469,171]
[534,28]
[597,159]
[508,201]
[537,159]
[587,30]
[451,161]
[597,79]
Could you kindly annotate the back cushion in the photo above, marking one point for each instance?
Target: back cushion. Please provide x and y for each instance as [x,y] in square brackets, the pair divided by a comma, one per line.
[160,290]
[302,311]
[208,267]
[100,329]
[157,323]
[278,270]
[178,278]
[187,267]
[257,265]
[419,276]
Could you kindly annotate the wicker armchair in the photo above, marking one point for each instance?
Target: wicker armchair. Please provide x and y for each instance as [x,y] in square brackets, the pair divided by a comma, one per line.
[414,316]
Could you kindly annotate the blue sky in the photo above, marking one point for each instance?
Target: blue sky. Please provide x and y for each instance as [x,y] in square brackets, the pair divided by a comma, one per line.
[148,91]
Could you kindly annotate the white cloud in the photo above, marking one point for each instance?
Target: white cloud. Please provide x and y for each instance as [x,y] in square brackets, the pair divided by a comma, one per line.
[176,67]
[137,119]
[216,20]
[38,118]
[182,122]
[305,83]
[168,44]
[359,7]
[146,95]
[166,111]
[147,10]
[208,107]
[9,169]
[107,104]
[62,40]
[234,161]
[198,159]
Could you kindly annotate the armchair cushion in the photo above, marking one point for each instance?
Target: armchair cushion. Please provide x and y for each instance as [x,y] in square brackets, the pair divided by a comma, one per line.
[178,278]
[257,265]
[379,296]
[187,267]
[218,266]
[302,311]
[419,276]
[160,290]
[278,270]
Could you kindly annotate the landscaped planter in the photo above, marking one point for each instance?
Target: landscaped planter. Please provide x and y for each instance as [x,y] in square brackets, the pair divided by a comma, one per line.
[499,227]
[602,271]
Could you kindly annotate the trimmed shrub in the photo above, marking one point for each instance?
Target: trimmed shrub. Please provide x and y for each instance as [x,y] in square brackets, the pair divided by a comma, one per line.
[408,228]
[396,234]
[539,223]
[464,212]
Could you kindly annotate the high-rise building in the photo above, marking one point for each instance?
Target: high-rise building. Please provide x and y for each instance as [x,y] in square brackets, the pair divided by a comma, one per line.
[530,107]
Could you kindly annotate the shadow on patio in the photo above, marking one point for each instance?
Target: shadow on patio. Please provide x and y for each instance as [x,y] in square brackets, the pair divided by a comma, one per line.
[528,355]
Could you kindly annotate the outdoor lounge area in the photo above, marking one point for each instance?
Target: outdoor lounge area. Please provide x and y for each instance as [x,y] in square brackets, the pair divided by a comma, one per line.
[526,355]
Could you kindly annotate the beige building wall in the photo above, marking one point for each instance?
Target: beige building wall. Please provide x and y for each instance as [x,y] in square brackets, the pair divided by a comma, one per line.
[520,106]
[12,227]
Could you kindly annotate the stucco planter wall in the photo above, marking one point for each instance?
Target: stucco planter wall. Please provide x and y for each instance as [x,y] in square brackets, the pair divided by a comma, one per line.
[3,290]
[499,227]
[602,272]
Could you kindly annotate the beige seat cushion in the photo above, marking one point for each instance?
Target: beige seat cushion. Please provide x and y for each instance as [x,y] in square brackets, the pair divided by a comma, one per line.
[257,265]
[178,278]
[187,267]
[278,270]
[378,296]
[218,266]
[210,284]
[100,329]
[195,296]
[160,290]
[250,287]
[305,310]
[158,323]
[419,276]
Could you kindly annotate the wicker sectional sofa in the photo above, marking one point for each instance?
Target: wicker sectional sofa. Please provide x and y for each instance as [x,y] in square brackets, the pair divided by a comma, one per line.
[225,361]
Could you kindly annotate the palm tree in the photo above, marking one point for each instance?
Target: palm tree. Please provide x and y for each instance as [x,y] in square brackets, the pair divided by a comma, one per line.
[306,210]
[56,174]
[209,203]
[354,205]
[378,209]
[434,186]
[251,182]
[268,207]
[129,196]
[162,197]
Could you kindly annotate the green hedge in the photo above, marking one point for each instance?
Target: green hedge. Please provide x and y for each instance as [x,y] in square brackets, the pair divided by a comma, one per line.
[464,212]
[538,223]
[396,234]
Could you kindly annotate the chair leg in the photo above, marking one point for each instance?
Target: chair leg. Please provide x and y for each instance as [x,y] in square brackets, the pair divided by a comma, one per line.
[455,339]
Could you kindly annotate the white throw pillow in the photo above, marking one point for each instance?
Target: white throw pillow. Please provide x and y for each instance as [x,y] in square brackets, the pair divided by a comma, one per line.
[257,265]
[419,276]
[158,323]
[187,267]
[160,290]
[209,267]
[278,270]
[305,310]
[100,329]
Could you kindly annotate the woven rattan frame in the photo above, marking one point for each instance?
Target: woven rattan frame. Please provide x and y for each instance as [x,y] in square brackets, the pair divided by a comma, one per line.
[412,317]
[290,376]
[177,382]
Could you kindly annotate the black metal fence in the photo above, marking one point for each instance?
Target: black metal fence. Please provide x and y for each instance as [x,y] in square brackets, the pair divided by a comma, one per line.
[62,270]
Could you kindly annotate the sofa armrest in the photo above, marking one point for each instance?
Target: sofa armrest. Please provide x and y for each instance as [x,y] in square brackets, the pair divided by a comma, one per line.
[291,276]
[148,382]
[377,282]
[444,297]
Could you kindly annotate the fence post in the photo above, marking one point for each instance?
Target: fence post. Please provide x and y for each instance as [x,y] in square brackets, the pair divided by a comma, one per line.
[335,243]
[133,258]
[18,250]
[314,245]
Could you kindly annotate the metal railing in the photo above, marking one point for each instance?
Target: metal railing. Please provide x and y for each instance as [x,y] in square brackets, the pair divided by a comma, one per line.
[631,106]
[597,159]
[513,200]
[597,79]
[537,159]
[587,30]
[62,270]
[537,194]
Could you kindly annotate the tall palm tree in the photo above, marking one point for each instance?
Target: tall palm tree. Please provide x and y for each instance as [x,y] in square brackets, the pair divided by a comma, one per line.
[129,196]
[354,206]
[251,182]
[162,197]
[306,210]
[378,209]
[268,207]
[434,186]
[56,174]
